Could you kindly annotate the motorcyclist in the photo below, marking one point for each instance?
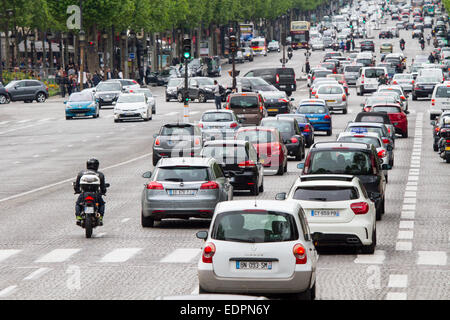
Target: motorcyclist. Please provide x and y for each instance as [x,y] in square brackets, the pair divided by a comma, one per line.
[382,79]
[431,58]
[402,43]
[289,52]
[428,39]
[422,42]
[92,166]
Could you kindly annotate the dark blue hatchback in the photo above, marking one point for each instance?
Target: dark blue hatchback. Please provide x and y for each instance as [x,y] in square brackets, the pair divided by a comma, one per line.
[318,115]
[304,124]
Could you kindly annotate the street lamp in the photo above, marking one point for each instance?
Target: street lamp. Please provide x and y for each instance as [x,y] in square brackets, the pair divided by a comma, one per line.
[32,38]
[82,38]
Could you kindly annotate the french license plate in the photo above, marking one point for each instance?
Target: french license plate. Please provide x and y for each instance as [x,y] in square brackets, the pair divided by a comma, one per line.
[89,210]
[314,119]
[282,86]
[241,115]
[324,213]
[81,114]
[178,192]
[272,110]
[253,265]
[331,101]
[428,87]
[107,99]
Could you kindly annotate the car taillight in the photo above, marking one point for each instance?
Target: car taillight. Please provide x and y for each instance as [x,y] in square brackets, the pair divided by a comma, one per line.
[447,141]
[155,186]
[247,164]
[317,96]
[403,98]
[300,254]
[283,100]
[197,141]
[382,154]
[360,207]
[209,186]
[306,128]
[135,82]
[294,140]
[433,101]
[386,141]
[327,117]
[344,97]
[208,252]
[394,82]
[233,125]
[314,78]
[277,78]
[412,82]
[157,142]
[200,125]
[437,129]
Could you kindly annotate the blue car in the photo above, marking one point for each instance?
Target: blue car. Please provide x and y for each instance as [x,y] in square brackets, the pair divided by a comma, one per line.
[304,124]
[82,104]
[318,115]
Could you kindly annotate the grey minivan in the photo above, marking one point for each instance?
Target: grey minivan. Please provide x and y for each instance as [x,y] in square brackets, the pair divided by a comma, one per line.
[27,91]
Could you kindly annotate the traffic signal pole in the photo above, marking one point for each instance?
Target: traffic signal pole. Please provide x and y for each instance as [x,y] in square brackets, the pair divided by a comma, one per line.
[187,56]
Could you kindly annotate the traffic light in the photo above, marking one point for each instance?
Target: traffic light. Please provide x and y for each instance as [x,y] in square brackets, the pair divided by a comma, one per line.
[233,43]
[364,20]
[187,48]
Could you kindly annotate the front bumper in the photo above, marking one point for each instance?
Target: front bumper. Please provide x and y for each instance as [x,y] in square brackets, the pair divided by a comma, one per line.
[130,115]
[82,112]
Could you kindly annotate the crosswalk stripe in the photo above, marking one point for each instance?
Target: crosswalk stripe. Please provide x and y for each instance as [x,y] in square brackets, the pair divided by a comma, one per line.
[181,256]
[438,258]
[5,254]
[171,114]
[58,255]
[37,274]
[376,258]
[23,121]
[120,255]
[7,291]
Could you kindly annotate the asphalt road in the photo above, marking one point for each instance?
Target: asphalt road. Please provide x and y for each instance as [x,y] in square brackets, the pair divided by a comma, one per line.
[44,255]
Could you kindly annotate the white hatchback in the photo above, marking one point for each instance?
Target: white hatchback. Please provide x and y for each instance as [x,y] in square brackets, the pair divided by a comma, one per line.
[132,106]
[258,247]
[440,100]
[405,80]
[338,210]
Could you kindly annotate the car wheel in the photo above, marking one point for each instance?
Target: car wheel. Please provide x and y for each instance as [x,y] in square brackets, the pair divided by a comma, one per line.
[261,188]
[255,190]
[344,111]
[201,290]
[280,170]
[405,134]
[3,99]
[201,98]
[180,97]
[40,97]
[370,249]
[147,222]
[299,155]
[167,99]
[378,213]
[329,132]
[155,160]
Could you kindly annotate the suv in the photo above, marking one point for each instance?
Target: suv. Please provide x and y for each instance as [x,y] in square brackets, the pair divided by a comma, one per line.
[352,158]
[249,107]
[440,100]
[107,92]
[27,91]
[367,45]
[200,88]
[368,79]
[281,78]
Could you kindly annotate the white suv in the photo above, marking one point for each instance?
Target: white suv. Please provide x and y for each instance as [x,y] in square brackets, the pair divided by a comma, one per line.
[338,209]
[440,100]
[368,79]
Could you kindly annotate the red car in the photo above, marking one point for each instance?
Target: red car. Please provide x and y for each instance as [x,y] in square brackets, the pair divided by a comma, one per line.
[269,145]
[397,116]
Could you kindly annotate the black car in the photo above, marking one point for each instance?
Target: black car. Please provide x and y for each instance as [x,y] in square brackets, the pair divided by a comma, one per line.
[385,35]
[438,124]
[200,88]
[277,102]
[304,125]
[395,61]
[281,78]
[4,96]
[240,163]
[255,84]
[367,45]
[172,88]
[107,92]
[424,86]
[357,159]
[27,91]
[290,133]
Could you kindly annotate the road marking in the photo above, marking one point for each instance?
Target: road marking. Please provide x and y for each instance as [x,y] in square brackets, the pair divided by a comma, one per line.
[398,281]
[100,235]
[396,296]
[410,194]
[24,121]
[406,225]
[36,156]
[407,207]
[181,256]
[432,258]
[403,246]
[5,254]
[170,114]
[376,258]
[4,122]
[409,200]
[37,274]
[7,291]
[125,220]
[120,255]
[408,214]
[405,235]
[47,119]
[58,255]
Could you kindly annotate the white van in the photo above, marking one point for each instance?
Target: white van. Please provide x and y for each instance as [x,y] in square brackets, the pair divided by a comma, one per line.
[368,79]
[434,72]
[440,100]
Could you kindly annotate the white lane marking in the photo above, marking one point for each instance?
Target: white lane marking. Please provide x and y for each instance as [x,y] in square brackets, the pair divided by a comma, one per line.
[24,121]
[125,220]
[376,258]
[408,214]
[195,292]
[4,122]
[396,296]
[406,225]
[432,258]
[398,281]
[120,255]
[412,183]
[170,114]
[409,200]
[407,207]
[71,179]
[57,255]
[415,165]
[26,127]
[405,235]
[36,156]
[411,188]
[410,194]
[7,291]
[47,119]
[181,256]
[5,254]
[413,178]
[70,145]
[37,274]
[403,246]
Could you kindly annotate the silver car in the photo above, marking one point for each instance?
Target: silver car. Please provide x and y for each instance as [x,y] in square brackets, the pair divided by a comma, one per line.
[184,188]
[334,95]
[405,80]
[219,124]
[351,73]
[258,247]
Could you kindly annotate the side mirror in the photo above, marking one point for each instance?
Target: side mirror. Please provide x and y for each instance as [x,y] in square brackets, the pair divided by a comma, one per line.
[155,135]
[433,123]
[114,103]
[362,105]
[292,99]
[147,175]
[93,91]
[280,196]
[202,235]
[301,166]
[107,185]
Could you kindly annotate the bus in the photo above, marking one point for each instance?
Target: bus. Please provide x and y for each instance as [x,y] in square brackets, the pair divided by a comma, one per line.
[300,34]
[259,45]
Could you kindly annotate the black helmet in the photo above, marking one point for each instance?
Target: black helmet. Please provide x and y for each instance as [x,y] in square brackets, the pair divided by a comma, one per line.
[92,164]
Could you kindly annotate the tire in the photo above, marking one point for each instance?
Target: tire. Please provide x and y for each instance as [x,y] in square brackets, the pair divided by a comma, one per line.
[379,212]
[201,290]
[147,222]
[280,170]
[370,249]
[361,91]
[329,132]
[299,155]
[405,134]
[344,111]
[3,99]
[261,188]
[155,160]
[435,147]
[40,97]
[68,118]
[116,120]
[414,97]
[201,98]
[88,227]
[255,190]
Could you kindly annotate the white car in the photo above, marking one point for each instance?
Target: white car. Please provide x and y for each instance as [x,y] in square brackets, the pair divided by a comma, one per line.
[405,80]
[127,84]
[334,95]
[338,210]
[258,247]
[440,100]
[368,79]
[318,82]
[398,89]
[148,94]
[132,106]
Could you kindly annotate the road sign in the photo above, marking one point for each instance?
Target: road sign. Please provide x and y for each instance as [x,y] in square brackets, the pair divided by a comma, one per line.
[132,56]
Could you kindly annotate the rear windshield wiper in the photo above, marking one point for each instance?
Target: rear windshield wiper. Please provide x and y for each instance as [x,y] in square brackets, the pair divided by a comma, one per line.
[240,240]
[318,199]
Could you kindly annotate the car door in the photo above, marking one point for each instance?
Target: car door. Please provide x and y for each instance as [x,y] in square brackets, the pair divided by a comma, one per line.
[31,88]
[193,89]
[253,156]
[18,92]
[222,181]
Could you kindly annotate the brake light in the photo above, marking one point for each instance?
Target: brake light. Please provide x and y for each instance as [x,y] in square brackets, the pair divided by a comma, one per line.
[307,163]
[208,252]
[247,164]
[447,141]
[294,140]
[197,141]
[413,82]
[300,254]
[317,96]
[327,117]
[437,129]
[382,154]
[386,141]
[157,142]
[155,186]
[200,125]
[403,98]
[306,129]
[209,186]
[89,198]
[360,207]
[277,78]
[233,125]
[344,97]
[433,101]
[283,100]
[134,81]
[394,82]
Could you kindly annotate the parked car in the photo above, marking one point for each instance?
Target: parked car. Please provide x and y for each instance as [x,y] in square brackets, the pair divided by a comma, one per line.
[4,96]
[248,107]
[81,104]
[26,91]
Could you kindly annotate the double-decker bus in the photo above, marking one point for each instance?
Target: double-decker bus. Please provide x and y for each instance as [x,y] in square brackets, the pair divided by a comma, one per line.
[300,34]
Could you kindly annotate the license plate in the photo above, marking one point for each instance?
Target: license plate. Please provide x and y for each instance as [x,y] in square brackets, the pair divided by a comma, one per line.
[447,148]
[272,110]
[107,99]
[428,87]
[81,114]
[314,119]
[324,213]
[283,87]
[331,101]
[89,210]
[176,192]
[253,265]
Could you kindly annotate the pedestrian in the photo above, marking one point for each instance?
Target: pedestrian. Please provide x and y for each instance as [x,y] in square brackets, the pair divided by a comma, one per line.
[120,74]
[69,84]
[96,79]
[347,45]
[353,44]
[217,95]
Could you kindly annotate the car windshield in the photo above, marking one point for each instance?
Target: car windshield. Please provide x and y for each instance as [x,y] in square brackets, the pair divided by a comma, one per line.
[352,68]
[362,139]
[326,193]
[340,161]
[110,86]
[330,90]
[80,97]
[373,73]
[217,117]
[388,109]
[147,92]
[364,61]
[174,82]
[256,136]
[322,73]
[443,92]
[282,126]
[403,77]
[254,226]
[177,131]
[244,102]
[131,98]
[311,109]
[205,81]
[226,154]
[182,174]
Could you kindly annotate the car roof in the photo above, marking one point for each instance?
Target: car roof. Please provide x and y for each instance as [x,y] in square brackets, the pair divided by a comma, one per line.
[287,206]
[353,134]
[185,161]
[218,111]
[277,119]
[340,144]
[312,101]
[178,124]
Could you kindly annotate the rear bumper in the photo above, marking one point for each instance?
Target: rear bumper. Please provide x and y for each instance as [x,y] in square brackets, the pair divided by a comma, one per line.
[179,208]
[423,92]
[321,126]
[168,153]
[352,233]
[241,181]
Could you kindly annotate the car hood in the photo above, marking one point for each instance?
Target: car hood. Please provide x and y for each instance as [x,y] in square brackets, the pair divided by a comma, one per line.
[130,106]
[82,104]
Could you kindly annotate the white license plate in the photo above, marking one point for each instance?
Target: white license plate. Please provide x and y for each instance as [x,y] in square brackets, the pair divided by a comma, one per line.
[89,210]
[241,115]
[324,213]
[428,87]
[283,86]
[176,192]
[107,99]
[314,119]
[81,114]
[253,265]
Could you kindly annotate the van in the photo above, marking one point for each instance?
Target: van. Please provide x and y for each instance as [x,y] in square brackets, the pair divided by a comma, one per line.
[368,79]
[281,78]
[366,59]
[248,107]
[434,72]
[440,100]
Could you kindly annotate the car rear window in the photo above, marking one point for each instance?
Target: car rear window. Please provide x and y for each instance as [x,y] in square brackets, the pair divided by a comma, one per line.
[373,73]
[443,92]
[227,154]
[370,118]
[340,161]
[177,131]
[364,61]
[368,140]
[365,130]
[311,109]
[244,102]
[257,136]
[326,193]
[352,68]
[388,109]
[322,73]
[217,116]
[330,90]
[258,226]
[282,126]
[182,174]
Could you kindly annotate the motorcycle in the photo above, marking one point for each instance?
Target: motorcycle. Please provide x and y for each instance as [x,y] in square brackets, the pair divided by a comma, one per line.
[290,55]
[422,46]
[444,145]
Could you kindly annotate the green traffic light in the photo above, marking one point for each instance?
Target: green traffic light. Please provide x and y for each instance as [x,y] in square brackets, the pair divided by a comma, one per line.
[187,55]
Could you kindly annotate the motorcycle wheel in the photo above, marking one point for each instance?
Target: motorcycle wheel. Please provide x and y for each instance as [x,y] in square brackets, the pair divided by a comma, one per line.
[88,226]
